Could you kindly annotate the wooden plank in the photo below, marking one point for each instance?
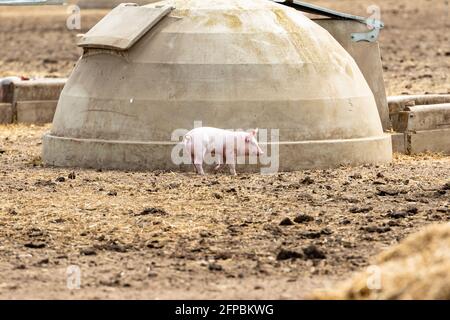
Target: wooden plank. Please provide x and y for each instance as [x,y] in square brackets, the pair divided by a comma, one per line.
[36,112]
[6,113]
[427,117]
[429,141]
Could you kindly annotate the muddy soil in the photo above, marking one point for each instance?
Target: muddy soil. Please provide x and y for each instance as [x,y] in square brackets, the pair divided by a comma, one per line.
[178,235]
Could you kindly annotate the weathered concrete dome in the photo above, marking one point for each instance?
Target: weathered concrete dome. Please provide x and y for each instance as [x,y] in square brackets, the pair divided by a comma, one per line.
[227,63]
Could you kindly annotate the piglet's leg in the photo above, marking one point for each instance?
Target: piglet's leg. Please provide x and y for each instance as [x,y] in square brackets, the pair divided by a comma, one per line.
[233,169]
[199,169]
[199,155]
[230,159]
[220,160]
[193,163]
[222,156]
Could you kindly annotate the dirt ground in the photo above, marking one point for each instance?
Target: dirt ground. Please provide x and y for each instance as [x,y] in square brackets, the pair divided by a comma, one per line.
[172,235]
[415,44]
[175,235]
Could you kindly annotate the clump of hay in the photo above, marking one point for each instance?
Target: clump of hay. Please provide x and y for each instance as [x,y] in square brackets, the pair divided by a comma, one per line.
[417,268]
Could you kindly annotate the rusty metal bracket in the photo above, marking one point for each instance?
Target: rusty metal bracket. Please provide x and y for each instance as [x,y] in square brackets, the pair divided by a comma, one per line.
[374,25]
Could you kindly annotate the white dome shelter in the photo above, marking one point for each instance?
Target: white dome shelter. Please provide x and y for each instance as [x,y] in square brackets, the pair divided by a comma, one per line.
[149,70]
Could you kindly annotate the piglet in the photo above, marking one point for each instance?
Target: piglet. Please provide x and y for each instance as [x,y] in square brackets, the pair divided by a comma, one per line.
[223,145]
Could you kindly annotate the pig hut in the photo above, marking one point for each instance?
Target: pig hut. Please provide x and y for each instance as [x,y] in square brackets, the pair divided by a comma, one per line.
[149,70]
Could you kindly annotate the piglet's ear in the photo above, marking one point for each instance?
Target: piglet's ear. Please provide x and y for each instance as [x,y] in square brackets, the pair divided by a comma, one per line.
[254,132]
